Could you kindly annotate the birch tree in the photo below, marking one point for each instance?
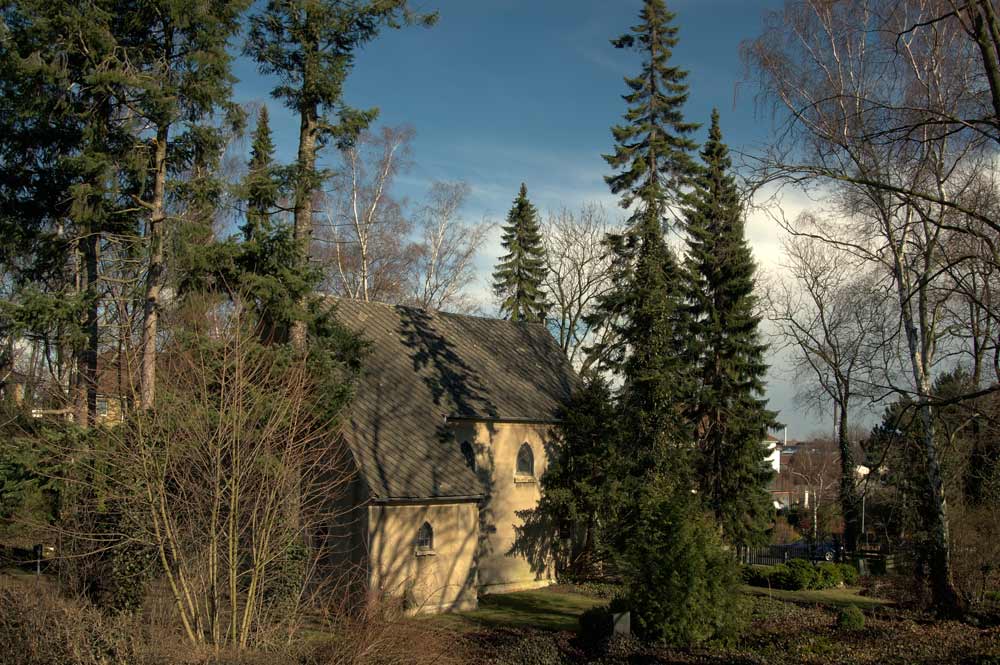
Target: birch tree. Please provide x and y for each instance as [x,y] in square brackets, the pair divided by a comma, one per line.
[855,78]
[830,312]
[444,264]
[364,244]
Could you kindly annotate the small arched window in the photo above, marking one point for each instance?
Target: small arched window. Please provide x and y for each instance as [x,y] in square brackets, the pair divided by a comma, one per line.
[525,461]
[469,454]
[425,538]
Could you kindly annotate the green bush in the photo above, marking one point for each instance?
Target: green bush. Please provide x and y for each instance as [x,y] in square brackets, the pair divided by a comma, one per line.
[596,624]
[757,575]
[850,618]
[828,576]
[798,574]
[801,575]
[849,574]
[681,584]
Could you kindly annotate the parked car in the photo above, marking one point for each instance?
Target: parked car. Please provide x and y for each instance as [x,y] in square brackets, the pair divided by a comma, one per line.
[824,551]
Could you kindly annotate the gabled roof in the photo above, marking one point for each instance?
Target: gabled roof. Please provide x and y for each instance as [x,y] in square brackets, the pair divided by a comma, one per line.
[424,367]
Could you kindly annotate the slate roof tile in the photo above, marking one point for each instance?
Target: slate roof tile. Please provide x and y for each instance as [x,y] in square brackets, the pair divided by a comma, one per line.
[423,367]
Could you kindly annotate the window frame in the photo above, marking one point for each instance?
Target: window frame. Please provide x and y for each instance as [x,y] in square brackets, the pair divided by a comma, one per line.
[423,544]
[520,474]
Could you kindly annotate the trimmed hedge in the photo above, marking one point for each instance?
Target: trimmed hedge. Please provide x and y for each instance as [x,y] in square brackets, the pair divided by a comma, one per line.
[799,574]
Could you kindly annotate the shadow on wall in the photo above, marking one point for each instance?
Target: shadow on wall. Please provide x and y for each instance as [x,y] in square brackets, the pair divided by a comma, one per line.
[424,581]
[537,539]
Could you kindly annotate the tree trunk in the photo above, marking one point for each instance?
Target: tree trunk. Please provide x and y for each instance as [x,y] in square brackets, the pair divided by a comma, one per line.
[946,599]
[304,188]
[986,32]
[86,360]
[155,274]
[848,492]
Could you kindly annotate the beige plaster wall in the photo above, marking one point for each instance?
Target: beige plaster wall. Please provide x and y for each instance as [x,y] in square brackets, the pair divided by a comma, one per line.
[441,580]
[496,446]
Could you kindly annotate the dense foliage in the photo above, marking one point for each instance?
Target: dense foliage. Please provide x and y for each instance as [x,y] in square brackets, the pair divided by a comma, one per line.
[518,280]
[681,584]
[729,409]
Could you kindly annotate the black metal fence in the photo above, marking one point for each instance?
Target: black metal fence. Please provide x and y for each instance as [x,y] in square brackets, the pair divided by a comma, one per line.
[772,555]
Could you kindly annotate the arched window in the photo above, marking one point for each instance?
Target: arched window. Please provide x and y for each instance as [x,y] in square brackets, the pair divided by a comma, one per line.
[425,538]
[469,454]
[525,461]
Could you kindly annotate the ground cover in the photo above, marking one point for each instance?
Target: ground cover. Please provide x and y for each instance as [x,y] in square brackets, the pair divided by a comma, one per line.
[782,627]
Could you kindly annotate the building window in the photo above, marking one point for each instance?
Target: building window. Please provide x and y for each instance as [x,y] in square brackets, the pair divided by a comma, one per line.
[425,538]
[102,408]
[525,461]
[469,454]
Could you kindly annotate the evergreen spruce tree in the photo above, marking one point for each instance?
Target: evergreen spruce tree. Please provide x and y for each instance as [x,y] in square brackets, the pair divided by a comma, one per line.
[580,496]
[730,414]
[665,542]
[310,45]
[261,185]
[519,276]
[652,159]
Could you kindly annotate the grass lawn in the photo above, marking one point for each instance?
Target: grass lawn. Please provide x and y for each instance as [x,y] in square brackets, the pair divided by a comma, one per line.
[782,628]
[547,609]
[828,597]
[558,608]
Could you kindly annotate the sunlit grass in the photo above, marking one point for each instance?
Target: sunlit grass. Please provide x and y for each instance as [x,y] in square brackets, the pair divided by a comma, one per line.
[830,597]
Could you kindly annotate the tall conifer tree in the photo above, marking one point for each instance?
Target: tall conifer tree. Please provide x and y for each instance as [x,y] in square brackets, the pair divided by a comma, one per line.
[261,183]
[730,414]
[310,45]
[520,274]
[652,159]
[180,47]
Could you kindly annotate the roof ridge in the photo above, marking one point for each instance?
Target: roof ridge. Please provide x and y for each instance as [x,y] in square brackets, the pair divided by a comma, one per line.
[435,312]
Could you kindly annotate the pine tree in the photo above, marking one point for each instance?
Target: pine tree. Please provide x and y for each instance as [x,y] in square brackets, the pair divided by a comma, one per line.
[644,312]
[520,273]
[261,185]
[64,137]
[730,414]
[652,149]
[310,45]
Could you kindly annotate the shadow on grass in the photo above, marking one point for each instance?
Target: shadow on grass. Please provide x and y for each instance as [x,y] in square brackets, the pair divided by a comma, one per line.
[541,609]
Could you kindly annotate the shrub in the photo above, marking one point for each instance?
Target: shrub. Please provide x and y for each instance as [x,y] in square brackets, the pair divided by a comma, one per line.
[757,575]
[802,574]
[828,576]
[681,584]
[849,574]
[850,618]
[596,624]
[43,629]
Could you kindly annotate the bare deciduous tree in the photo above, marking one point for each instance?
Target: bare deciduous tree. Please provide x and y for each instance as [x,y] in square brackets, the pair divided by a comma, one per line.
[578,274]
[444,264]
[228,479]
[364,243]
[831,314]
[856,79]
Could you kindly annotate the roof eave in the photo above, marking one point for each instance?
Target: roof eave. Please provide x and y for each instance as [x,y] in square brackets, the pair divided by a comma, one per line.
[504,419]
[423,500]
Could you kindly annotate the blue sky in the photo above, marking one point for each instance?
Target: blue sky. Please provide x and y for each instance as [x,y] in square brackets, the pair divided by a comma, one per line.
[505,91]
